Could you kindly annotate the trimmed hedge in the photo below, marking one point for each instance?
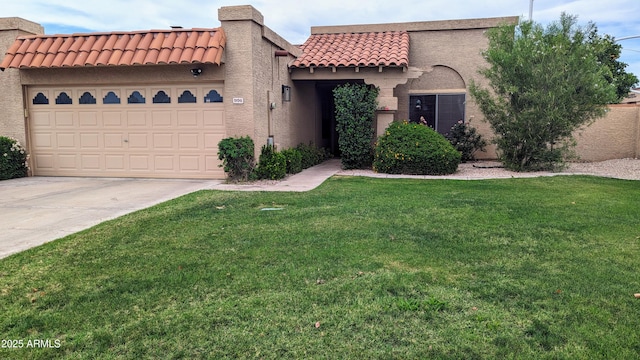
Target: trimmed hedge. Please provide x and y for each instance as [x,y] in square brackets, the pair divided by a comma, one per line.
[272,164]
[294,160]
[409,148]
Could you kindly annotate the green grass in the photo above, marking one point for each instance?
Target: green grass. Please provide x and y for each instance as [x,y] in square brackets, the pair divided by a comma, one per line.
[542,268]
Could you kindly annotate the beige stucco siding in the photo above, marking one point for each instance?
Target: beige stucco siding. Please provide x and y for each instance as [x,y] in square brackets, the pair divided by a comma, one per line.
[11,104]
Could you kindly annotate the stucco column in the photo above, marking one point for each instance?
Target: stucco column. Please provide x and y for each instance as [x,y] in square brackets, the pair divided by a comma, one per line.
[387,102]
[12,114]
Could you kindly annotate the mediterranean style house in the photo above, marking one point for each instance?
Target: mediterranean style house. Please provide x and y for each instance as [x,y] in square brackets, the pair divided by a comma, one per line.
[155,103]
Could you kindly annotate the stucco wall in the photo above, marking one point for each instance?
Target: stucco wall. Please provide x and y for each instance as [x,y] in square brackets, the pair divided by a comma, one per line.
[11,102]
[255,74]
[616,136]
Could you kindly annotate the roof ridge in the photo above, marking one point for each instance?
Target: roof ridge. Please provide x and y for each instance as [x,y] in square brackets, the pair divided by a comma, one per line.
[102,33]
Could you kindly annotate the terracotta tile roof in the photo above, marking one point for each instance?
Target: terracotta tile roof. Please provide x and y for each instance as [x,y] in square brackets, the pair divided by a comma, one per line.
[371,49]
[153,47]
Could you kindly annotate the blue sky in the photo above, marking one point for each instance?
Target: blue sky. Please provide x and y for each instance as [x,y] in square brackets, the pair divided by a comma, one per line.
[292,19]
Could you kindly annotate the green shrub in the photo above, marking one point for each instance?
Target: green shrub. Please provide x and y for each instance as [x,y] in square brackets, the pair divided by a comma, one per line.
[464,138]
[311,155]
[294,160]
[13,159]
[355,110]
[272,164]
[237,155]
[408,148]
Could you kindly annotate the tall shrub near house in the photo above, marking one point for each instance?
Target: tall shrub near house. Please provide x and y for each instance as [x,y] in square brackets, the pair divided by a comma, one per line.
[545,83]
[237,155]
[355,110]
[13,159]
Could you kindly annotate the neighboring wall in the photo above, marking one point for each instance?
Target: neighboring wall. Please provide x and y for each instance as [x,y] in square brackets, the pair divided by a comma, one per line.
[616,136]
[11,102]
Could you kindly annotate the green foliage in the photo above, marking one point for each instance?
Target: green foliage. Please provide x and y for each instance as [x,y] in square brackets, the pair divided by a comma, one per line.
[466,140]
[408,148]
[608,52]
[293,158]
[13,159]
[311,155]
[272,164]
[355,110]
[545,84]
[237,155]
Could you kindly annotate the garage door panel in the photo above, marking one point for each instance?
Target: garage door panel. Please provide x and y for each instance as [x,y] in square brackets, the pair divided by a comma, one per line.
[137,119]
[88,119]
[163,141]
[189,141]
[43,141]
[139,141]
[164,163]
[90,162]
[112,119]
[44,161]
[190,163]
[139,163]
[40,118]
[66,140]
[64,119]
[67,161]
[114,141]
[126,131]
[188,118]
[113,162]
[90,141]
[213,118]
[161,119]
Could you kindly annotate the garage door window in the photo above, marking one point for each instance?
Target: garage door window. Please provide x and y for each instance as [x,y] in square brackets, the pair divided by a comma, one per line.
[87,98]
[136,98]
[40,99]
[63,98]
[161,98]
[111,98]
[212,96]
[186,98]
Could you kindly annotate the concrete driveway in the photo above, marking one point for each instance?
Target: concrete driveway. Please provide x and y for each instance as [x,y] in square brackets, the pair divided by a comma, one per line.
[36,210]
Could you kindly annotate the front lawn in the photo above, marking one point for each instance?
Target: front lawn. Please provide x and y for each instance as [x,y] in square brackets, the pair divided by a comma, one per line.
[541,268]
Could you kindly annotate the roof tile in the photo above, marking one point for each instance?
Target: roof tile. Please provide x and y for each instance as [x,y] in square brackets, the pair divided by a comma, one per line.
[117,48]
[355,49]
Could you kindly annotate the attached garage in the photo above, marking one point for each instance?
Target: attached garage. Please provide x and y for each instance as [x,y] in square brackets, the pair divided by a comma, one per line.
[127,131]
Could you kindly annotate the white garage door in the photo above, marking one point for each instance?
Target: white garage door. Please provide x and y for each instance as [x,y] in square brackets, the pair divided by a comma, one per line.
[127,131]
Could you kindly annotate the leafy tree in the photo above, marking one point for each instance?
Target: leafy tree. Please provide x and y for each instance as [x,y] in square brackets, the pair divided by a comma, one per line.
[355,110]
[545,83]
[608,52]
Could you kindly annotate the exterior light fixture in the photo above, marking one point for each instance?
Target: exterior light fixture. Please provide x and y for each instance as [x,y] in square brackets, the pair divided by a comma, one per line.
[196,72]
[286,93]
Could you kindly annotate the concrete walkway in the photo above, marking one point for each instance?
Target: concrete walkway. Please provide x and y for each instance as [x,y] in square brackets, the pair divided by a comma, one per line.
[306,180]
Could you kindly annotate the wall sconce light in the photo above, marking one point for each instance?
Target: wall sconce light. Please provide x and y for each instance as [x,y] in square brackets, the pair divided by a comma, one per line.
[286,93]
[418,104]
[196,72]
